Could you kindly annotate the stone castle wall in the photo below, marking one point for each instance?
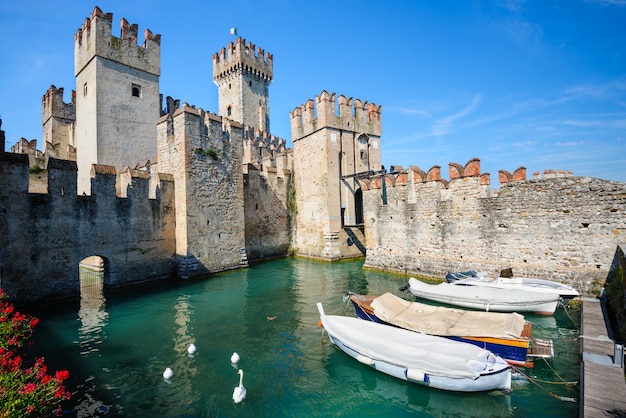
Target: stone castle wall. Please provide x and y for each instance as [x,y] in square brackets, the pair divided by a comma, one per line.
[268,195]
[561,228]
[203,152]
[268,209]
[44,237]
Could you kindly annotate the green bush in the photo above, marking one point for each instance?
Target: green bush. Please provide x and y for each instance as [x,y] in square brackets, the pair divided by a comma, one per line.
[207,151]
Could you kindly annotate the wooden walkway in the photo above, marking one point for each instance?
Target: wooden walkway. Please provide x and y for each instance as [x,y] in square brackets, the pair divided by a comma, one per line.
[602,384]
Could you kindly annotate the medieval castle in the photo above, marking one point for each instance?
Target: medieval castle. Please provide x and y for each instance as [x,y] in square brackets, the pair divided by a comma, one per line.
[144,188]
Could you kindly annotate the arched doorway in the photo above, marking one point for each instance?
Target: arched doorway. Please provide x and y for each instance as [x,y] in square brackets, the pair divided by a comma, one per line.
[358,207]
[92,313]
[91,275]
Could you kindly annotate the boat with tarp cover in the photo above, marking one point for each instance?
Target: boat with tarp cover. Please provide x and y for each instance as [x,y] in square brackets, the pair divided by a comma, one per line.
[419,358]
[508,335]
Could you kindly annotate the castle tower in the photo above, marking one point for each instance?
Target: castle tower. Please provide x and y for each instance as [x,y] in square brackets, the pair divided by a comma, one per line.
[243,77]
[57,119]
[117,95]
[336,142]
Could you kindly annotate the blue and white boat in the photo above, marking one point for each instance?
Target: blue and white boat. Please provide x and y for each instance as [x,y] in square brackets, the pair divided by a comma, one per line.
[508,335]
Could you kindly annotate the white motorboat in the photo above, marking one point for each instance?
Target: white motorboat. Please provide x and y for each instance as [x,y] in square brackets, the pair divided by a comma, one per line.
[529,283]
[486,298]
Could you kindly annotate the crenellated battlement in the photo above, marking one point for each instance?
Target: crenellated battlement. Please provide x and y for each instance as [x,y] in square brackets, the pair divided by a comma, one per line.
[398,176]
[52,105]
[94,38]
[239,56]
[331,111]
[266,152]
[62,178]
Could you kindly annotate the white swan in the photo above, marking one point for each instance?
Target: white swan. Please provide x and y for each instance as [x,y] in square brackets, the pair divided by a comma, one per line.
[168,373]
[234,358]
[191,349]
[239,394]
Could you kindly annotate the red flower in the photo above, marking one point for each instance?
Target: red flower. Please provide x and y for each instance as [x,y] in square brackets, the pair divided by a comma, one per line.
[30,387]
[61,375]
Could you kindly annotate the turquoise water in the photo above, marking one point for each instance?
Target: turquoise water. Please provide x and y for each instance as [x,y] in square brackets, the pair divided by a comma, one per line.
[116,354]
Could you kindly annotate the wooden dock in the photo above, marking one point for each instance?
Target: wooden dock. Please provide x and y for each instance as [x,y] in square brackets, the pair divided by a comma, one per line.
[602,384]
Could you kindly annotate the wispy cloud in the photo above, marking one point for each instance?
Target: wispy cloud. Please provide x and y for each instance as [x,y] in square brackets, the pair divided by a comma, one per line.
[415,112]
[445,125]
[607,2]
[570,143]
[526,34]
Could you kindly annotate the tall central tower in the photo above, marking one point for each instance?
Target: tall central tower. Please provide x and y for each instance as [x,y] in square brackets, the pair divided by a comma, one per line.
[243,76]
[117,95]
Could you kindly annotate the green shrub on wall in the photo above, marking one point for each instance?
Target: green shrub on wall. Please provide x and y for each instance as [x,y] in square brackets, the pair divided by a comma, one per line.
[207,151]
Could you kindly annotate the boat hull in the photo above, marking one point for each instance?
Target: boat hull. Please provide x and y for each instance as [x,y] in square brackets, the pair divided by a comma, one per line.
[487,299]
[527,283]
[419,358]
[499,380]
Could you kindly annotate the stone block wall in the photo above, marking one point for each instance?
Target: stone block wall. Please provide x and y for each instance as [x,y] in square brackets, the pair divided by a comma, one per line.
[267,194]
[203,152]
[564,229]
[44,237]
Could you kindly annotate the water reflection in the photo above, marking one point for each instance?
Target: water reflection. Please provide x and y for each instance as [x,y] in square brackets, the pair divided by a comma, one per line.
[267,314]
[374,388]
[92,312]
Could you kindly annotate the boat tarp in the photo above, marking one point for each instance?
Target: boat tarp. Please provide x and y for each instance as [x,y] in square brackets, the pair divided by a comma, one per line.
[427,353]
[438,320]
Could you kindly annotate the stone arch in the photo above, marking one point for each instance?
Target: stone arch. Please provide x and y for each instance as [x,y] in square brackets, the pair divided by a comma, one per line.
[92,313]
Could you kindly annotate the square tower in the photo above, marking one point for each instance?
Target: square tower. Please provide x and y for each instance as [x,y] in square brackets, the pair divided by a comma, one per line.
[243,76]
[117,95]
[336,142]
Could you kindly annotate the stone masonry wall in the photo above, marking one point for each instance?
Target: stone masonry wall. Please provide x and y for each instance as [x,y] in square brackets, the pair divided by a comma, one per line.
[203,152]
[267,212]
[564,229]
[44,237]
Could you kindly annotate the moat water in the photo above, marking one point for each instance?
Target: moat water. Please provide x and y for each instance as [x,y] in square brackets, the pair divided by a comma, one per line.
[117,349]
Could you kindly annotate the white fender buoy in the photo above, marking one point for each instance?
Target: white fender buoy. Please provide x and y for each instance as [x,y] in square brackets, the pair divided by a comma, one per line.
[239,393]
[191,349]
[168,373]
[235,358]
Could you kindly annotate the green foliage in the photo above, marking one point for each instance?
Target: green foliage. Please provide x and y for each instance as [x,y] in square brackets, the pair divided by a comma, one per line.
[207,151]
[25,390]
[35,169]
[615,295]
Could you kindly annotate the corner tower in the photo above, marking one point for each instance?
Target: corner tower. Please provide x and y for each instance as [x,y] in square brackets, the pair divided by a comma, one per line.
[336,143]
[243,76]
[117,95]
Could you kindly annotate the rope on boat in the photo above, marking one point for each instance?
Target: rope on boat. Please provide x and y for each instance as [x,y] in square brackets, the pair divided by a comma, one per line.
[562,382]
[561,398]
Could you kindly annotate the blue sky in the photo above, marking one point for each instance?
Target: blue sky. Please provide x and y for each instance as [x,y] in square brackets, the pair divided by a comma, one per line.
[537,83]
